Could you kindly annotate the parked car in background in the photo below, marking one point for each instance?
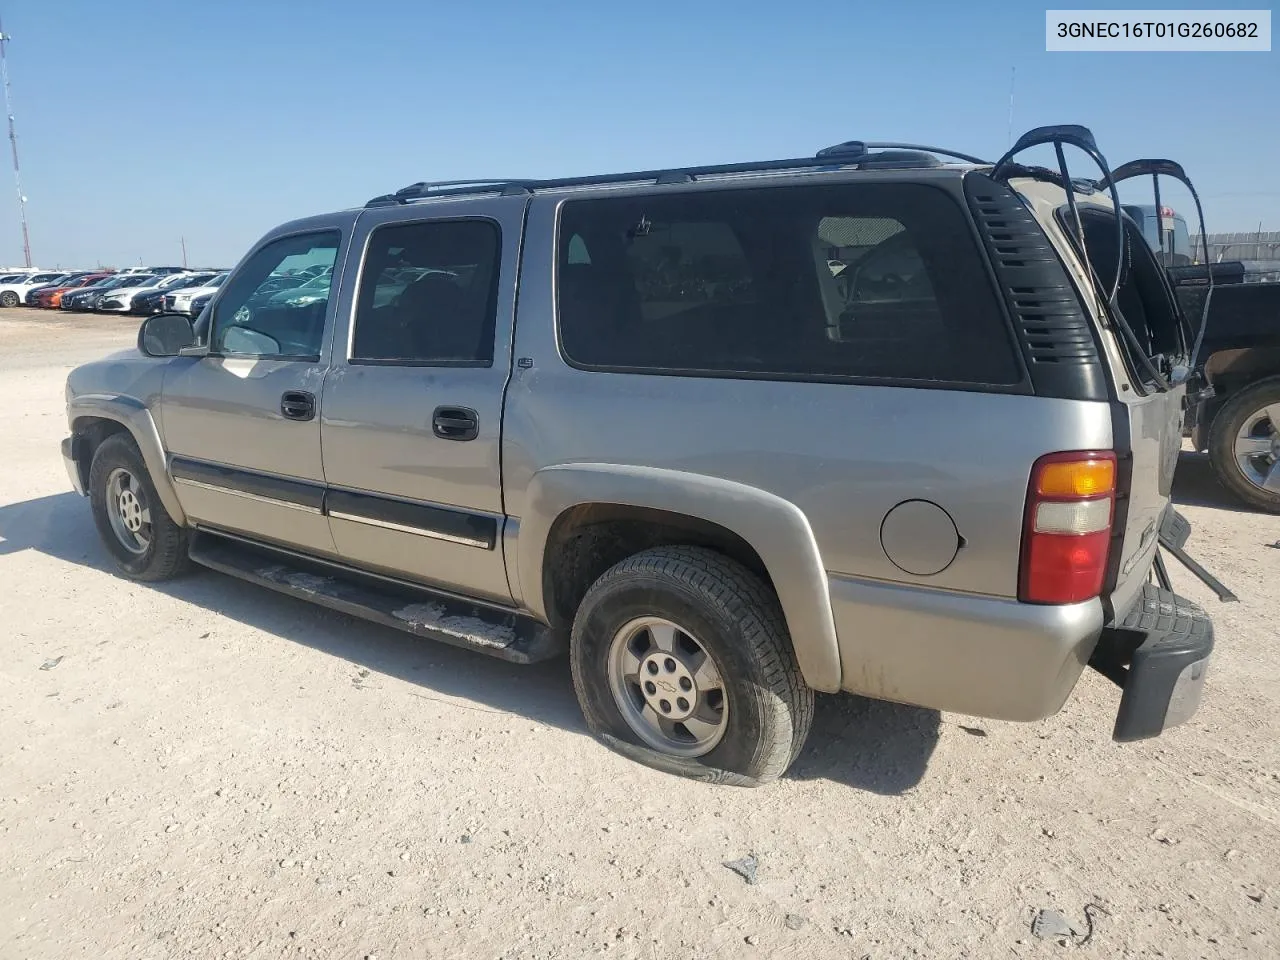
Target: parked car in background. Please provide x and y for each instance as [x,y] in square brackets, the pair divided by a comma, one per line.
[156,271]
[280,281]
[153,301]
[35,292]
[86,298]
[198,304]
[1238,423]
[12,294]
[1165,232]
[120,300]
[50,297]
[314,290]
[181,301]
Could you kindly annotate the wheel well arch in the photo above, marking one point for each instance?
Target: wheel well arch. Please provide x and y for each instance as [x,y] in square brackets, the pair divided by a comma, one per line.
[90,432]
[587,539]
[1231,370]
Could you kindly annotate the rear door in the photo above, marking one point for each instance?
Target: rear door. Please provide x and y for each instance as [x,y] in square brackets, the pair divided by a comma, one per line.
[411,417]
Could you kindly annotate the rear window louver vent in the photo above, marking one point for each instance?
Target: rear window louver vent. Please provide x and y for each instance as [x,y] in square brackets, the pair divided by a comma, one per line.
[1054,333]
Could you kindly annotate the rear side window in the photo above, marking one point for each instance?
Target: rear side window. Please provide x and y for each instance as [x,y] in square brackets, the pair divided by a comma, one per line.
[428,294]
[858,281]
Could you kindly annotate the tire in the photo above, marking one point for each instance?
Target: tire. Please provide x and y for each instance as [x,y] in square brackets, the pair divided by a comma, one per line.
[9,299]
[724,608]
[158,550]
[1245,412]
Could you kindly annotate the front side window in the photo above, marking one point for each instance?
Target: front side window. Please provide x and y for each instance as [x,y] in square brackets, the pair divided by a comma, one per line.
[865,281]
[428,294]
[254,317]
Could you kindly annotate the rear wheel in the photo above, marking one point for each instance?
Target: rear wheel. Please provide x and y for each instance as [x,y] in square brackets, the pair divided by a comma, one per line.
[681,660]
[1244,444]
[142,538]
[9,299]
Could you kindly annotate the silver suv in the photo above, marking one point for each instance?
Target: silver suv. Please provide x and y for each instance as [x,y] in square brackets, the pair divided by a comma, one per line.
[865,422]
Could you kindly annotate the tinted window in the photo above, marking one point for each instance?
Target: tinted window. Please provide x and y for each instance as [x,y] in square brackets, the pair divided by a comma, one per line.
[427,293]
[255,318]
[854,280]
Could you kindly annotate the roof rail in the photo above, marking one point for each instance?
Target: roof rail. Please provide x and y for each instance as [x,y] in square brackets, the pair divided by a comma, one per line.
[830,158]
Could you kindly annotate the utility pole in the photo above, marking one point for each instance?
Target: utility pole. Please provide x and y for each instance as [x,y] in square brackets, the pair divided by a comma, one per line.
[13,142]
[184,252]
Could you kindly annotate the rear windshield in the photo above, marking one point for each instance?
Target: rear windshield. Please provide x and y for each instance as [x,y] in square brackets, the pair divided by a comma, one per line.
[846,281]
[1171,231]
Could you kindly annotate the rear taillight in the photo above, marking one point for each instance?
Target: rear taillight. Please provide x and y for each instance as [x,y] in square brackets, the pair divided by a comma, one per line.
[1070,505]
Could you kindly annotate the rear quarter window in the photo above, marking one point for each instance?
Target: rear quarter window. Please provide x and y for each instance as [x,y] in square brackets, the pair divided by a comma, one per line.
[847,281]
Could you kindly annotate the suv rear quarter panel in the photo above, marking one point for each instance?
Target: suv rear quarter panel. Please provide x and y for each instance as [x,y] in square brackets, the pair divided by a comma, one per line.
[843,454]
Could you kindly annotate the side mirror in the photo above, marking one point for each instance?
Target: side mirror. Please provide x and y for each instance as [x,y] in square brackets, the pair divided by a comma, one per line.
[166,335]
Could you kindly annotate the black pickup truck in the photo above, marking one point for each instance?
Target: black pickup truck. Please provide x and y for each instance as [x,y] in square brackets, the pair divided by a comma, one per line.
[1238,421]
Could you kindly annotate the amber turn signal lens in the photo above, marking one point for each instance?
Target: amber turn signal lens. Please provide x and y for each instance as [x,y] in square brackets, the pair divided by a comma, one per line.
[1077,478]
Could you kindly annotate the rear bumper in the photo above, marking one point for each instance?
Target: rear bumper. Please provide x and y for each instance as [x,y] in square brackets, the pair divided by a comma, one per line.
[994,657]
[980,655]
[1158,654]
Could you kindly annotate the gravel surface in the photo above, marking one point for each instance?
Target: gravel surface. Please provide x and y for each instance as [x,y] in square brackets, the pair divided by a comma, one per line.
[208,769]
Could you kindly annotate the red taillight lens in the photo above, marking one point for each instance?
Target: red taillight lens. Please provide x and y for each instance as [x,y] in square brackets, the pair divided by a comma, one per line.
[1067,537]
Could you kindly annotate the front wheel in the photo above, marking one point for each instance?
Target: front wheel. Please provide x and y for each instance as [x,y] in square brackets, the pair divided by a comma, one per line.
[142,538]
[1244,444]
[681,660]
[9,299]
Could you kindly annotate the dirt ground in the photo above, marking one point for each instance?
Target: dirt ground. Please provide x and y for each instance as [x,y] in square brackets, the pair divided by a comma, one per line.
[207,769]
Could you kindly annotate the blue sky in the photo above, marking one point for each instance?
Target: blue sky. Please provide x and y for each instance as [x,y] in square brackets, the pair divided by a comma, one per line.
[140,122]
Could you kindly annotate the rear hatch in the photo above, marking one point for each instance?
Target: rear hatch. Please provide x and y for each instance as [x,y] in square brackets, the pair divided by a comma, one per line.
[1149,369]
[1139,339]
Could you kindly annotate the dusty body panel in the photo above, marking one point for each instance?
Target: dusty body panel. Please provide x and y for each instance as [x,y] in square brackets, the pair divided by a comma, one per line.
[124,388]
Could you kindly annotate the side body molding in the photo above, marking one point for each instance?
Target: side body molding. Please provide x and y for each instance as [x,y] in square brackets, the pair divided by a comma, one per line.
[776,528]
[136,418]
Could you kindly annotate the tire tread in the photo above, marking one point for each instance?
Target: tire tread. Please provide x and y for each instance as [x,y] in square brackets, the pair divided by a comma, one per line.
[1222,432]
[747,601]
[169,556]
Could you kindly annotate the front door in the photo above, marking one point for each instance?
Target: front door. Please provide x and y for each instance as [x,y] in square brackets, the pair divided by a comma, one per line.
[242,424]
[411,414]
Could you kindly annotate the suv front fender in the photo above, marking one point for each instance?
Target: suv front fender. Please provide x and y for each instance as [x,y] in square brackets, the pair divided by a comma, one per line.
[134,416]
[775,528]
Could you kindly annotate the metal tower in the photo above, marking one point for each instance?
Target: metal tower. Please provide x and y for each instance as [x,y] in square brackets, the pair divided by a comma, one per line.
[13,142]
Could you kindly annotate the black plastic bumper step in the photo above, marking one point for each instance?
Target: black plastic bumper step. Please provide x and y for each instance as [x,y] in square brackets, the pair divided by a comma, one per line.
[507,636]
[1159,654]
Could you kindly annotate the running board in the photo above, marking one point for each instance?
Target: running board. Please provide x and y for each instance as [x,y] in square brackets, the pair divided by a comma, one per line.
[416,610]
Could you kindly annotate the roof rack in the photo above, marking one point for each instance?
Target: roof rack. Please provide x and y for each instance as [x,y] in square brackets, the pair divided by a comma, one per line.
[901,155]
